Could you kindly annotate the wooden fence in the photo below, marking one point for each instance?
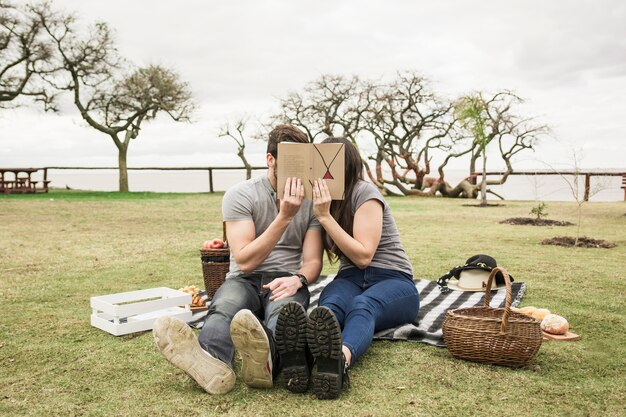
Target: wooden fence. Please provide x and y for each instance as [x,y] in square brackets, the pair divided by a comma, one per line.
[587,174]
[208,169]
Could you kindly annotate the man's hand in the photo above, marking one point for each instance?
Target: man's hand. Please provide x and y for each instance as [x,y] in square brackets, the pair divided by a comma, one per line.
[292,200]
[283,287]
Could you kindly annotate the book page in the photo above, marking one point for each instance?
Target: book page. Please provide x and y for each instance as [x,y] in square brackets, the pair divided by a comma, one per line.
[310,161]
[328,163]
[294,160]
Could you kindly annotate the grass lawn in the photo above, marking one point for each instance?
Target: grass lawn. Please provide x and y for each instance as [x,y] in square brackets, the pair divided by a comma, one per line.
[59,249]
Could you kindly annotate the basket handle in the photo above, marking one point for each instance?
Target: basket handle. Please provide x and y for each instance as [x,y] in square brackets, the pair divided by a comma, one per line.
[224,232]
[507,300]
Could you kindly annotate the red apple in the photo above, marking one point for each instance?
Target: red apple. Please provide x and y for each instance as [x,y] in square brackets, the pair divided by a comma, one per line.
[213,244]
[216,244]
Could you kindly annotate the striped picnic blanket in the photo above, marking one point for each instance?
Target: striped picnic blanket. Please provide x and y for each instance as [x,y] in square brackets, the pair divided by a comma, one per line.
[427,326]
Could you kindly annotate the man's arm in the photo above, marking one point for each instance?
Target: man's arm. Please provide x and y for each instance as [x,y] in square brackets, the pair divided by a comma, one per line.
[250,252]
[312,250]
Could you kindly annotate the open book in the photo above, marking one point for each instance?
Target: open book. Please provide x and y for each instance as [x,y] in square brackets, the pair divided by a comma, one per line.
[310,161]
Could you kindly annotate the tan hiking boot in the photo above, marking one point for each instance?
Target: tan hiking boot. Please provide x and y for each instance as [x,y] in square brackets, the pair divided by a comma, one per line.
[253,346]
[180,346]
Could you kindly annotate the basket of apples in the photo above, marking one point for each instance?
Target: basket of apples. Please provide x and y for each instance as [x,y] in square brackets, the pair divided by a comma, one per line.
[215,256]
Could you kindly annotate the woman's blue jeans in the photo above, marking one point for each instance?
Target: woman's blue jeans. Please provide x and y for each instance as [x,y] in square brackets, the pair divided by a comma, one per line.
[369,300]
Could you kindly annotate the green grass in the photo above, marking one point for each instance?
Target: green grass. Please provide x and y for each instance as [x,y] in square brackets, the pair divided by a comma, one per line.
[59,249]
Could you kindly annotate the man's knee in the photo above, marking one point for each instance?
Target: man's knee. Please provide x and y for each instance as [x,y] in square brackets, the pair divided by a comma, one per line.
[230,298]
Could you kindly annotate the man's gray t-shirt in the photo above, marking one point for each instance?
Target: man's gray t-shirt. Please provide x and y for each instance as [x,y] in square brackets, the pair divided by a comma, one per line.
[390,254]
[255,200]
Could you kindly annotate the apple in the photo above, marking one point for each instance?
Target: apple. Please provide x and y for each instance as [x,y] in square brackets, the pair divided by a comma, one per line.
[213,244]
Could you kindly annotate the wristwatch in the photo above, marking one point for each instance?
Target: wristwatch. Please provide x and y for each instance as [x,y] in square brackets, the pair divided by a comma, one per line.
[303,279]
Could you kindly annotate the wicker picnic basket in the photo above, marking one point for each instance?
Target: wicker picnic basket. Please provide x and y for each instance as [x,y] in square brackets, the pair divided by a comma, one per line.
[215,265]
[496,336]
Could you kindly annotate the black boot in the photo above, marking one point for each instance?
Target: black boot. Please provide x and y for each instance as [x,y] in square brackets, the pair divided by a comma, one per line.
[291,345]
[324,338]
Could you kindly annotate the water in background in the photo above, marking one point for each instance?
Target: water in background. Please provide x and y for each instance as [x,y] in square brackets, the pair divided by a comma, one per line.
[545,188]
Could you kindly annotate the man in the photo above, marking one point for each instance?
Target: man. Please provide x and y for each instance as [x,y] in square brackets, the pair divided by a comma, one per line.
[276,251]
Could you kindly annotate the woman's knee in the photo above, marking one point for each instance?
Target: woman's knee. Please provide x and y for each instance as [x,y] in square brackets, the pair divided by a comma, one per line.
[365,304]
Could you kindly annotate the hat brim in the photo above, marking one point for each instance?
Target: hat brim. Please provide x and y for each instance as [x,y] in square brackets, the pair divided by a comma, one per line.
[453,286]
[475,277]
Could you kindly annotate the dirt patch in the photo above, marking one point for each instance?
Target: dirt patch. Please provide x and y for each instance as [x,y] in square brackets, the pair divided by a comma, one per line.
[583,242]
[535,222]
[486,205]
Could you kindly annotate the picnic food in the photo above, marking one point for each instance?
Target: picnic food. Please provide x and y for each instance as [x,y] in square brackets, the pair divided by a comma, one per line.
[537,313]
[527,310]
[196,300]
[540,313]
[213,244]
[190,289]
[554,324]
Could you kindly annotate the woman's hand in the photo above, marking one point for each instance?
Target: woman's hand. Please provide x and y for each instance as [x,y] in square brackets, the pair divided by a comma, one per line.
[321,199]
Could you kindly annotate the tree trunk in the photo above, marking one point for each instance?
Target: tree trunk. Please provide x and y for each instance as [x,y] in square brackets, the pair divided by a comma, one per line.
[464,189]
[483,183]
[246,164]
[123,169]
[472,168]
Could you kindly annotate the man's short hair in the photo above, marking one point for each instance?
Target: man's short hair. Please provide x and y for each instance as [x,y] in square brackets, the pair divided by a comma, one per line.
[284,133]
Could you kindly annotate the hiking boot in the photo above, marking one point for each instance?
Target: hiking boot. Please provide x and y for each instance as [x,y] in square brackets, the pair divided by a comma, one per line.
[177,342]
[253,344]
[324,339]
[291,345]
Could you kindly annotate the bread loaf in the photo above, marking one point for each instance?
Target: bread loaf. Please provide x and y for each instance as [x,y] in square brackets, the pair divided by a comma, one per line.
[540,313]
[554,324]
[527,310]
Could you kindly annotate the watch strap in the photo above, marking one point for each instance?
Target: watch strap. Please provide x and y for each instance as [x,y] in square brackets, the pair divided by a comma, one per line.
[303,280]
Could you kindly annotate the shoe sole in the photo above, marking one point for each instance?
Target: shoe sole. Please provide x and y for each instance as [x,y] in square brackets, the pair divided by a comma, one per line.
[178,344]
[253,346]
[291,343]
[324,339]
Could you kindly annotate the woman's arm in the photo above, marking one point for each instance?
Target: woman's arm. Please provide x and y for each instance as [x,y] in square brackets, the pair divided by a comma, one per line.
[366,228]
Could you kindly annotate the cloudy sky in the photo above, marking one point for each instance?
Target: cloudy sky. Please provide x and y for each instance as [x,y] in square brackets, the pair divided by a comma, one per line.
[566,58]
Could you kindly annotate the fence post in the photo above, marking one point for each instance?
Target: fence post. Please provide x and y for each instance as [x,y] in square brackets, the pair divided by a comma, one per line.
[586,198]
[211,180]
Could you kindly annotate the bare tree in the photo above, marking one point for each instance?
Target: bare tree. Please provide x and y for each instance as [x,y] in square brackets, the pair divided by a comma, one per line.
[511,132]
[577,190]
[333,105]
[470,110]
[411,128]
[110,97]
[26,56]
[493,121]
[237,133]
[408,122]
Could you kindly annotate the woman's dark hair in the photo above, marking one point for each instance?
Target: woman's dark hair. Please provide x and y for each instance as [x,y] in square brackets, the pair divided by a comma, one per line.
[341,210]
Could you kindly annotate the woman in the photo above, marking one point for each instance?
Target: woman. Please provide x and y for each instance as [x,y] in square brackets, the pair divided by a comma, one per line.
[373,289]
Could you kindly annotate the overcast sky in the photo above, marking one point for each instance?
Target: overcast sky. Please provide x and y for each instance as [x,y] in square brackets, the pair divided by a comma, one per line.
[566,58]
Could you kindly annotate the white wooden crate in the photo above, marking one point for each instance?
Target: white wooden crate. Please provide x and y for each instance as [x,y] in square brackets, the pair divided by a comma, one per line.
[136,311]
